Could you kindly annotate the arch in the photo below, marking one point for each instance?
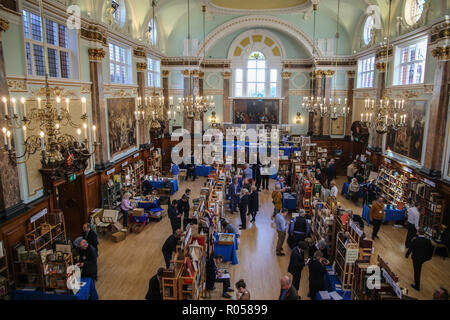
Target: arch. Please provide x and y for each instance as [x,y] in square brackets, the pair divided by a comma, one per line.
[256,21]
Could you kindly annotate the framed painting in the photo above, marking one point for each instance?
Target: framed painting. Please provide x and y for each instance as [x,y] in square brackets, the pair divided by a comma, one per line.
[337,126]
[256,111]
[408,140]
[121,124]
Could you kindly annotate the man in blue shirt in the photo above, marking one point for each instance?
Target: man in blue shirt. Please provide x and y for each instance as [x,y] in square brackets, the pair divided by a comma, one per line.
[281,226]
[248,173]
[175,170]
[234,191]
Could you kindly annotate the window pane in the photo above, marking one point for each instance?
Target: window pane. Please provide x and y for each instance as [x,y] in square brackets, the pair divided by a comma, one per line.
[36,30]
[38,52]
[117,73]
[273,75]
[123,74]
[273,90]
[50,28]
[252,64]
[122,55]
[251,76]
[28,50]
[260,90]
[26,21]
[158,80]
[238,92]
[251,88]
[64,58]
[239,75]
[52,62]
[150,64]
[117,53]
[261,75]
[157,66]
[261,64]
[62,32]
[111,52]
[150,79]
[112,69]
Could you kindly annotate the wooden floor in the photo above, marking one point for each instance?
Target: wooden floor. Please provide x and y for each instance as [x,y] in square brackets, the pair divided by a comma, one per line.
[126,267]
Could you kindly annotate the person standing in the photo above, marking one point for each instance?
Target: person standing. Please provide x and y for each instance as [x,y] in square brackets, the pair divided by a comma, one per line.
[422,251]
[265,173]
[352,168]
[126,207]
[155,286]
[277,199]
[88,260]
[333,189]
[353,189]
[170,246]
[316,275]
[253,207]
[243,207]
[281,227]
[331,172]
[413,223]
[175,170]
[376,216]
[297,262]
[247,185]
[257,175]
[174,216]
[90,236]
[234,190]
[287,291]
[248,173]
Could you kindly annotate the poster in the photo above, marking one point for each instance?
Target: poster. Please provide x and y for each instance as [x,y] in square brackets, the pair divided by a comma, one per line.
[408,140]
[256,111]
[337,126]
[122,125]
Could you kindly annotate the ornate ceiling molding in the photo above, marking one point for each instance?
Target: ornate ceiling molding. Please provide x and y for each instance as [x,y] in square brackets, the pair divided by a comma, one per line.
[217,10]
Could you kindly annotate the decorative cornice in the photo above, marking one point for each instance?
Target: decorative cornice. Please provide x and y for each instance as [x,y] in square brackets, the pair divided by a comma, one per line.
[93,33]
[186,73]
[328,73]
[211,8]
[441,53]
[4,25]
[165,73]
[286,75]
[141,66]
[139,52]
[195,73]
[17,85]
[440,32]
[226,74]
[351,73]
[381,52]
[380,66]
[96,54]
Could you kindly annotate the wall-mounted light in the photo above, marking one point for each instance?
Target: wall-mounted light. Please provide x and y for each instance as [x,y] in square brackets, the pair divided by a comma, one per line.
[298,118]
[213,118]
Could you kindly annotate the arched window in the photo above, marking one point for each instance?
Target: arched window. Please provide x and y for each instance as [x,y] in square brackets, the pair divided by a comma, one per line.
[256,75]
[152,33]
[367,36]
[413,11]
[119,12]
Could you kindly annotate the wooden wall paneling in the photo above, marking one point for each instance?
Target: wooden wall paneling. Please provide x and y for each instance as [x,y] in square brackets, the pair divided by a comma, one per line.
[92,187]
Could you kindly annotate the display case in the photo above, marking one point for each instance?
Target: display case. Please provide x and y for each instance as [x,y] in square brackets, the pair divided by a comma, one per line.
[347,252]
[4,274]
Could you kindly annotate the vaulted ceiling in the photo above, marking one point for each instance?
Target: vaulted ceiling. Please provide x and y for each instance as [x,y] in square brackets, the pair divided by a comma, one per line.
[257,4]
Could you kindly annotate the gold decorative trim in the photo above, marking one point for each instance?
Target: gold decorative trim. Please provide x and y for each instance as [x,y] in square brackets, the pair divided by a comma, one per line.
[55,92]
[4,25]
[141,66]
[93,33]
[96,54]
[139,52]
[328,73]
[17,85]
[351,73]
[85,89]
[186,73]
[201,74]
[226,74]
[441,53]
[165,73]
[381,66]
[286,75]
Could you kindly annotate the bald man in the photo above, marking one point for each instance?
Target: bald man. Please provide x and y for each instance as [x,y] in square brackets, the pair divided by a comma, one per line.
[88,260]
[287,292]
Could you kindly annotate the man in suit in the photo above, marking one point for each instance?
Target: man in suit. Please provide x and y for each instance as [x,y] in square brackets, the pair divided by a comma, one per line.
[213,275]
[297,262]
[422,251]
[257,176]
[88,260]
[287,291]
[234,191]
[183,207]
[243,207]
[413,223]
[170,246]
[90,236]
[155,286]
[174,216]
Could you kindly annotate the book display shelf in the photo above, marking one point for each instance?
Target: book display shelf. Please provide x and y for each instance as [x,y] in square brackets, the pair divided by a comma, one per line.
[4,274]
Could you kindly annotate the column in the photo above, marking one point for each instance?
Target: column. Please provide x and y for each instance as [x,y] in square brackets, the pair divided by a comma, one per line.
[188,124]
[226,94]
[348,119]
[141,68]
[318,92]
[165,84]
[10,201]
[375,138]
[285,95]
[327,95]
[98,105]
[438,114]
[201,78]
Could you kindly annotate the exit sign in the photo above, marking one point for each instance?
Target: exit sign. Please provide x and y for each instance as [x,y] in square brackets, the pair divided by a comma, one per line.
[72,177]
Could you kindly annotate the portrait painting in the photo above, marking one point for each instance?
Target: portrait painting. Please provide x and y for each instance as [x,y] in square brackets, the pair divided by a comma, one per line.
[337,126]
[408,140]
[122,126]
[256,111]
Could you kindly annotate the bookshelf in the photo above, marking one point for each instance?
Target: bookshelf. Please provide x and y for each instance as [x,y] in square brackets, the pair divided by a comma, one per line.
[55,266]
[323,227]
[392,185]
[359,288]
[154,164]
[45,234]
[322,154]
[112,193]
[4,274]
[131,176]
[347,253]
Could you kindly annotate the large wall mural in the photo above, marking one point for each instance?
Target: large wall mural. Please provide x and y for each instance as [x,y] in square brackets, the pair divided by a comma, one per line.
[256,111]
[122,127]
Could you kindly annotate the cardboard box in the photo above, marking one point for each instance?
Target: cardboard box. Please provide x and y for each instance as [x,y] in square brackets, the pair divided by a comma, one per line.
[137,228]
[137,212]
[110,216]
[119,236]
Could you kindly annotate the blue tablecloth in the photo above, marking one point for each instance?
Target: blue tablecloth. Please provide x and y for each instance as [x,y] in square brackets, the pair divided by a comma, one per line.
[345,192]
[87,292]
[289,201]
[228,252]
[330,285]
[390,214]
[160,185]
[203,171]
[149,205]
[286,151]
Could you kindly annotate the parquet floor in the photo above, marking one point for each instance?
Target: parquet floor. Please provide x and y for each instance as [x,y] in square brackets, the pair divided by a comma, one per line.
[126,267]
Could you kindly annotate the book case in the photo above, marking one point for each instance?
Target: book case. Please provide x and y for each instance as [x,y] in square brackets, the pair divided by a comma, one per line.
[347,253]
[192,280]
[392,185]
[131,176]
[154,164]
[55,266]
[359,288]
[45,234]
[311,154]
[28,273]
[112,193]
[324,227]
[4,274]
[322,154]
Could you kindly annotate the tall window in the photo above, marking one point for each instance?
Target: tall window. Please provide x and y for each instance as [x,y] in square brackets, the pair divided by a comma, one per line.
[239,82]
[367,36]
[58,52]
[410,63]
[152,37]
[256,75]
[119,11]
[119,64]
[414,10]
[366,71]
[153,72]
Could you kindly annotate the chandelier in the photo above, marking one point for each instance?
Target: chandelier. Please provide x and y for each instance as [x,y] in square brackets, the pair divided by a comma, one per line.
[195,106]
[61,153]
[387,113]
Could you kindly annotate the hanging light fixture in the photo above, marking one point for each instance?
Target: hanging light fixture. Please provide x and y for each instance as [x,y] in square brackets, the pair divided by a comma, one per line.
[61,153]
[387,113]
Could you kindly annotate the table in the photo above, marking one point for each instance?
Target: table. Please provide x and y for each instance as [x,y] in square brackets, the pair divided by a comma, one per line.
[228,252]
[289,201]
[345,192]
[203,171]
[146,205]
[87,292]
[390,214]
[330,285]
[160,184]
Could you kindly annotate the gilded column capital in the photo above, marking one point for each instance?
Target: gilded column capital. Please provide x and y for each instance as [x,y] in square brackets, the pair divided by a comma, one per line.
[226,74]
[141,66]
[201,74]
[328,73]
[96,54]
[286,75]
[186,73]
[351,73]
[441,53]
[381,66]
[195,73]
[165,73]
[4,25]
